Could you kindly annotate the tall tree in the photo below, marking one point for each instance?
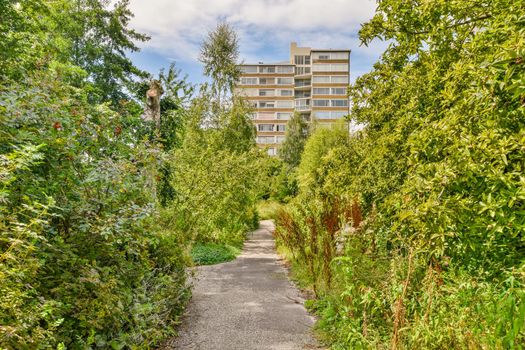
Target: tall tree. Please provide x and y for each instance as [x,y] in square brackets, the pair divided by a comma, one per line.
[293,145]
[23,40]
[100,37]
[237,132]
[220,109]
[219,54]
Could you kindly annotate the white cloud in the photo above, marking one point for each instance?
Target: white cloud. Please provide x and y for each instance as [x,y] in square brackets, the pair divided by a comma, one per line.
[177,27]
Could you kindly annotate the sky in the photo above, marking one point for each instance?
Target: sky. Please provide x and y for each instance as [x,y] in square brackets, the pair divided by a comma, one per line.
[265,29]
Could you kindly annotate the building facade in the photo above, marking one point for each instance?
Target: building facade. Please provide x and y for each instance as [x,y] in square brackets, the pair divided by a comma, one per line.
[313,83]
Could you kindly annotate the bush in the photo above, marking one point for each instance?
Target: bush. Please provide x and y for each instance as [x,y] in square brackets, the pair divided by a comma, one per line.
[216,186]
[411,230]
[80,238]
[268,209]
[213,253]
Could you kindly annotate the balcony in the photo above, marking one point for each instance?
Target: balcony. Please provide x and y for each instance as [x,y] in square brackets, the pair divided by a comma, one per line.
[303,108]
[302,94]
[302,72]
[301,83]
[303,104]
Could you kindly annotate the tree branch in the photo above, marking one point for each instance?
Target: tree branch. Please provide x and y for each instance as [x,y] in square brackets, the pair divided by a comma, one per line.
[454,25]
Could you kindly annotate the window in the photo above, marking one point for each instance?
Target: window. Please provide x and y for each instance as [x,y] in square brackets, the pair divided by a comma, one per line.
[265,116]
[338,115]
[321,79]
[302,70]
[321,103]
[302,94]
[336,79]
[266,81]
[284,104]
[302,102]
[284,81]
[300,83]
[325,67]
[248,81]
[321,68]
[322,115]
[283,116]
[330,55]
[340,79]
[328,91]
[265,139]
[266,92]
[249,69]
[246,92]
[266,104]
[321,91]
[284,69]
[321,55]
[267,69]
[271,152]
[339,55]
[281,127]
[301,60]
[286,92]
[339,67]
[265,127]
[339,103]
[330,114]
[338,91]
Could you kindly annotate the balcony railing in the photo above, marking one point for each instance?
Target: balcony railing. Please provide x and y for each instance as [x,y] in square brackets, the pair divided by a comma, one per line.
[303,83]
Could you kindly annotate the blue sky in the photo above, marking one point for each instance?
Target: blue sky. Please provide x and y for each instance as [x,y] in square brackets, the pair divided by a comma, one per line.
[265,29]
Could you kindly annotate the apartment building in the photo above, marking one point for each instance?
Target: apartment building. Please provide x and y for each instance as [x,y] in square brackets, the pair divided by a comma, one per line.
[313,83]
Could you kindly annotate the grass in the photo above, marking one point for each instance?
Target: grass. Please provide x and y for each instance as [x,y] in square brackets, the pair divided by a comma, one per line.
[213,253]
[268,209]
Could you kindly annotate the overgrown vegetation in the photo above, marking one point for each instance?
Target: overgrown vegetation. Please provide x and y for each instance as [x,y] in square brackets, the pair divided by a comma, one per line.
[410,232]
[98,209]
[268,209]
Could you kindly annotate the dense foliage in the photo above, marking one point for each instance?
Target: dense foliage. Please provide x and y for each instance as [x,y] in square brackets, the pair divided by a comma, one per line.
[295,138]
[216,175]
[98,209]
[85,261]
[216,170]
[411,231]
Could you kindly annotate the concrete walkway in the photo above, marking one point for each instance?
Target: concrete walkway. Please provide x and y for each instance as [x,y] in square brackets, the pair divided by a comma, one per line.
[246,304]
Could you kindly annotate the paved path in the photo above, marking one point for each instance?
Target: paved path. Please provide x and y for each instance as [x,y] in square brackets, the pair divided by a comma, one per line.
[246,304]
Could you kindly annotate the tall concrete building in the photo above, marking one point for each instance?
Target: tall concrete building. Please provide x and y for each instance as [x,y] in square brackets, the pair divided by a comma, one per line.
[313,83]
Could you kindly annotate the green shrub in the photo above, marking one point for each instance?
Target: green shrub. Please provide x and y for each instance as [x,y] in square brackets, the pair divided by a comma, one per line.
[80,237]
[268,209]
[216,187]
[411,230]
[213,253]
